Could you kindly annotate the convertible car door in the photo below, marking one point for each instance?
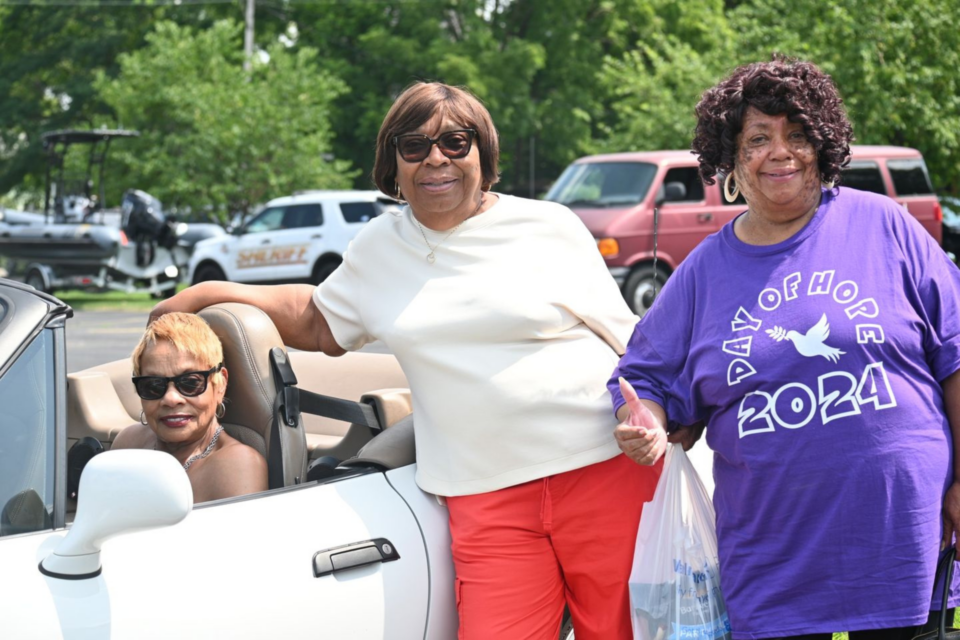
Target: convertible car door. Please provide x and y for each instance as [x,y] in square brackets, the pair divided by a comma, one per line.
[239,569]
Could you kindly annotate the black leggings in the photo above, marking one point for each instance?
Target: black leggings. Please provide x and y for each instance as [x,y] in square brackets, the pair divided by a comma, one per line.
[900,633]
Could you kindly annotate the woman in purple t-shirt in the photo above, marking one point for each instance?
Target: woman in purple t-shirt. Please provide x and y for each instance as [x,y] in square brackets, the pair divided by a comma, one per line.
[817,336]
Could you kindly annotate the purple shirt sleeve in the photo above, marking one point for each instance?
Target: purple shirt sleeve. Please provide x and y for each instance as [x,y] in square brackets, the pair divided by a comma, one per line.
[656,362]
[935,296]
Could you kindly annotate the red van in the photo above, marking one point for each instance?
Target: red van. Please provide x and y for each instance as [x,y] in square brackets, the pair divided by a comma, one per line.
[615,195]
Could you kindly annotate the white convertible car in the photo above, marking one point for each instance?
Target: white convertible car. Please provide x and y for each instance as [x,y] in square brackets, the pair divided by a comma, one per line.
[350,549]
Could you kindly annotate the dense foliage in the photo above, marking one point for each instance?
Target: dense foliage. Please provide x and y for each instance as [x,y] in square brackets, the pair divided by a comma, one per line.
[215,134]
[562,78]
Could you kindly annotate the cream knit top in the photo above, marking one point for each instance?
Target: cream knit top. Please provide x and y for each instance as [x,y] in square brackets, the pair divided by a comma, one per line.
[507,339]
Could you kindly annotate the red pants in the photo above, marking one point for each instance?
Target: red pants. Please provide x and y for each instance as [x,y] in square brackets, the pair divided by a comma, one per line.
[523,552]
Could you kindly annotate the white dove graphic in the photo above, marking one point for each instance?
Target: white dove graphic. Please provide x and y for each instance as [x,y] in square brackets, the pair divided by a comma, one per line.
[812,343]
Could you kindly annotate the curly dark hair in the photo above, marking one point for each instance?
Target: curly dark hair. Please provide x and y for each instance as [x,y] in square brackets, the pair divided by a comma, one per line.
[799,89]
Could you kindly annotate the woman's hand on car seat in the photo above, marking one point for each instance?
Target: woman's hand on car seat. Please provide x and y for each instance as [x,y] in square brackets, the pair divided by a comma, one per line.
[187,301]
[641,435]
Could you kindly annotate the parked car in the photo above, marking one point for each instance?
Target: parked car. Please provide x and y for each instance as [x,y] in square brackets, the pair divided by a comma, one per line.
[299,238]
[951,225]
[355,551]
[616,194]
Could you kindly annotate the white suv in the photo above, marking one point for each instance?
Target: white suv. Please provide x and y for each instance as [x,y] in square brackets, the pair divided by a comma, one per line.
[299,238]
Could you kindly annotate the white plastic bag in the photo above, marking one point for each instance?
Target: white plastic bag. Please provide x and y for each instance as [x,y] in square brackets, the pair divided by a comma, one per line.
[675,582]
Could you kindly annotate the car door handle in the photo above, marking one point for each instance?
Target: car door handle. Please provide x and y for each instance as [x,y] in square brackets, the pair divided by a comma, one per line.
[350,556]
[704,217]
[316,236]
[267,241]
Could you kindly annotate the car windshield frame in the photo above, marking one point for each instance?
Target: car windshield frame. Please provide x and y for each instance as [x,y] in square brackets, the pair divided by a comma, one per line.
[603,184]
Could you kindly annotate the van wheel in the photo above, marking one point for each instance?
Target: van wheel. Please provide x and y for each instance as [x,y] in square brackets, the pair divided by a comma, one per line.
[35,279]
[207,272]
[642,286]
[323,270]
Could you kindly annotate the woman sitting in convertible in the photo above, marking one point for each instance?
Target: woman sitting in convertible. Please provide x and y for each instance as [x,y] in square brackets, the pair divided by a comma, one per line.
[179,375]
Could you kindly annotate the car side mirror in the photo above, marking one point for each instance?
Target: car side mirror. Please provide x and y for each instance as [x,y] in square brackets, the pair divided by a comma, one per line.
[120,492]
[671,192]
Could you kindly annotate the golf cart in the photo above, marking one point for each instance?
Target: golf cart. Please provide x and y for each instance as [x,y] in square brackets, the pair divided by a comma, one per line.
[82,244]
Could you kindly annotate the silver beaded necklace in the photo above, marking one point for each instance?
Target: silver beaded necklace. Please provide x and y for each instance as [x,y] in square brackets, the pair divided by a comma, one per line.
[205,452]
[432,256]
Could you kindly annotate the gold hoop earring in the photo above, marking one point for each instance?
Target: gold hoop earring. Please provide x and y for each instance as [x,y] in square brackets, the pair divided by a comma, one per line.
[730,196]
[399,194]
[221,410]
[143,419]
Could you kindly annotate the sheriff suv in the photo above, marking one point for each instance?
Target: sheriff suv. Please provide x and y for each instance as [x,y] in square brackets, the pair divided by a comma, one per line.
[298,238]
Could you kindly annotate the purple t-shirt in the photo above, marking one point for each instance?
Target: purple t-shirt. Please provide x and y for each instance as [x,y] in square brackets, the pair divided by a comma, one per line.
[816,364]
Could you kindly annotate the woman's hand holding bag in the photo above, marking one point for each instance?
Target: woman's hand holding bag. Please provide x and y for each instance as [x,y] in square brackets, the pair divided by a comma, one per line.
[641,436]
[674,584]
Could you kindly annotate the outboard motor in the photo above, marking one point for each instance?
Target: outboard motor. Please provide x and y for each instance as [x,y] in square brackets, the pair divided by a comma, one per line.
[145,224]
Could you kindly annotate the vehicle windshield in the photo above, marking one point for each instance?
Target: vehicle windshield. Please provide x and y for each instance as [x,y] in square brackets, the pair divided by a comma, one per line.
[603,184]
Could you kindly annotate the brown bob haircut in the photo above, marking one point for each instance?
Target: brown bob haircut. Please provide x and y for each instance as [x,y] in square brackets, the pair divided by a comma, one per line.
[417,105]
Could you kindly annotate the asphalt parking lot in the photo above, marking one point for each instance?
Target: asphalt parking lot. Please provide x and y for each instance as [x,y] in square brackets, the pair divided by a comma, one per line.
[95,337]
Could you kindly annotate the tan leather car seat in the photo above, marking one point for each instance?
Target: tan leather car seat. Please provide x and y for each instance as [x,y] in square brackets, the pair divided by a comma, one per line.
[252,414]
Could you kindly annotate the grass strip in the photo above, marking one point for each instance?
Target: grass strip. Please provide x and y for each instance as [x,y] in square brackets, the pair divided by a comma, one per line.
[109,300]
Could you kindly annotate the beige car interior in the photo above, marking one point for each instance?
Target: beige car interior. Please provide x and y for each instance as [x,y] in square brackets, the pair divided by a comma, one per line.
[102,401]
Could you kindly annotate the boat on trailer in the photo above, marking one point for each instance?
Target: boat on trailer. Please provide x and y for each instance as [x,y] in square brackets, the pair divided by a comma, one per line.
[80,244]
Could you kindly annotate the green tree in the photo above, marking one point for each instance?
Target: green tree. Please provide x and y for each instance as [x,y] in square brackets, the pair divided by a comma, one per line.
[47,58]
[536,65]
[653,87]
[49,55]
[378,49]
[215,136]
[895,64]
[570,76]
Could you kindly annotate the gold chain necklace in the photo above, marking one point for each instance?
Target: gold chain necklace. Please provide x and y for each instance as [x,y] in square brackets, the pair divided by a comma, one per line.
[432,256]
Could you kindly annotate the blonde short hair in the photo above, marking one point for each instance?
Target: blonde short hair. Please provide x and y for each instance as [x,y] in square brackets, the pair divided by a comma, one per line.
[190,334]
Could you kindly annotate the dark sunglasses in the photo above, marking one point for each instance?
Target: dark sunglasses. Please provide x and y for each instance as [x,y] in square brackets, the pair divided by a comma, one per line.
[415,147]
[190,384]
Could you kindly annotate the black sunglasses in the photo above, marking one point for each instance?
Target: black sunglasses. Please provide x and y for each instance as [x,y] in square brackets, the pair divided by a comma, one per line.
[190,384]
[415,147]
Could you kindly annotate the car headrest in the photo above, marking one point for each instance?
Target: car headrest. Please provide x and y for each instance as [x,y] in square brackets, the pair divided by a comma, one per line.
[248,335]
[391,449]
